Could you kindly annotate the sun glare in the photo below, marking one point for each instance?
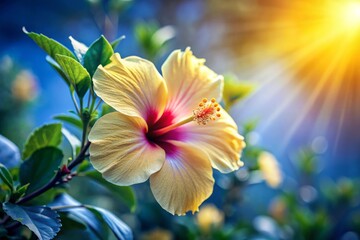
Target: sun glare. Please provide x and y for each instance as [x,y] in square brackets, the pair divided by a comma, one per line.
[315,41]
[351,15]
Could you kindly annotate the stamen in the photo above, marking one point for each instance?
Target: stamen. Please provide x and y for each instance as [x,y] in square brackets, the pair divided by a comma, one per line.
[206,111]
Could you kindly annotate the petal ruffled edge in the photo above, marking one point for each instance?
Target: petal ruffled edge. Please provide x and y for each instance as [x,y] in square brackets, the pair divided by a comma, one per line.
[132,86]
[188,81]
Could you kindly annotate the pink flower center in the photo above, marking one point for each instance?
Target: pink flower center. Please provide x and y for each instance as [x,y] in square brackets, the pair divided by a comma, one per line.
[164,129]
[161,139]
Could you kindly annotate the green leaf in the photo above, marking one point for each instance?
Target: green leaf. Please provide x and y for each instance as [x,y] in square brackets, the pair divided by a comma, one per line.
[58,69]
[72,227]
[73,120]
[105,109]
[46,197]
[73,140]
[40,168]
[116,42]
[9,153]
[82,214]
[118,227]
[77,74]
[123,193]
[6,177]
[84,167]
[98,53]
[50,46]
[45,136]
[42,221]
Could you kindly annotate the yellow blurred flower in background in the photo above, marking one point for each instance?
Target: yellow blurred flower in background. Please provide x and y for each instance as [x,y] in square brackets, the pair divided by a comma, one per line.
[209,217]
[270,169]
[24,86]
[168,128]
[158,234]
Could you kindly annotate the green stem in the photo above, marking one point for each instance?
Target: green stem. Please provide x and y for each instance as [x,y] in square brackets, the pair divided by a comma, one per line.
[75,103]
[84,133]
[93,100]
[98,104]
[81,107]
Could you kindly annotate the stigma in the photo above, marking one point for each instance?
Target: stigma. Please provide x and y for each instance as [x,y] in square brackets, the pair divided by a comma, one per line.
[206,111]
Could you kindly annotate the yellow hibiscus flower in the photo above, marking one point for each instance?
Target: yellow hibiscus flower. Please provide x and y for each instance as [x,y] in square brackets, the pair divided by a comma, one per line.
[161,131]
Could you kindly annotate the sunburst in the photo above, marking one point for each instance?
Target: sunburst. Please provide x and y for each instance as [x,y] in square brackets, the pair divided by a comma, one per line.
[319,42]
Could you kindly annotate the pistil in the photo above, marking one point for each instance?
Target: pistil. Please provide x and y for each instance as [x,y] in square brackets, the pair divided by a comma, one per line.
[206,111]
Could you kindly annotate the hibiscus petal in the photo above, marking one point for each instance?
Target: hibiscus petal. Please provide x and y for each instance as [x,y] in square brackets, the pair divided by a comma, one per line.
[132,86]
[184,181]
[188,81]
[219,139]
[120,150]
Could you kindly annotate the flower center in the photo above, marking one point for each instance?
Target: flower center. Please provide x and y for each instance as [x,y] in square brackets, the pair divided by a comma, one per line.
[163,130]
[205,111]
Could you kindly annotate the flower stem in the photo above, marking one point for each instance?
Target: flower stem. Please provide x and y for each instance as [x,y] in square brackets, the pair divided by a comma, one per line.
[93,100]
[75,103]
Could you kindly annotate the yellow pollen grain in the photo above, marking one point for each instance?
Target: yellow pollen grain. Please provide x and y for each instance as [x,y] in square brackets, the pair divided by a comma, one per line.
[206,111]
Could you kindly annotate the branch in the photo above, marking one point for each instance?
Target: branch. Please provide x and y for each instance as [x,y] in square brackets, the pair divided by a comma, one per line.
[80,157]
[57,177]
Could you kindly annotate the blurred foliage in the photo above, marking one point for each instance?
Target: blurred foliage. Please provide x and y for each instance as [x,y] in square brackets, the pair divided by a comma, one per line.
[153,39]
[18,89]
[235,90]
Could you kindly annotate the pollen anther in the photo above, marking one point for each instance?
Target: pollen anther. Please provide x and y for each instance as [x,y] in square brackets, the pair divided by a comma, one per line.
[206,111]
